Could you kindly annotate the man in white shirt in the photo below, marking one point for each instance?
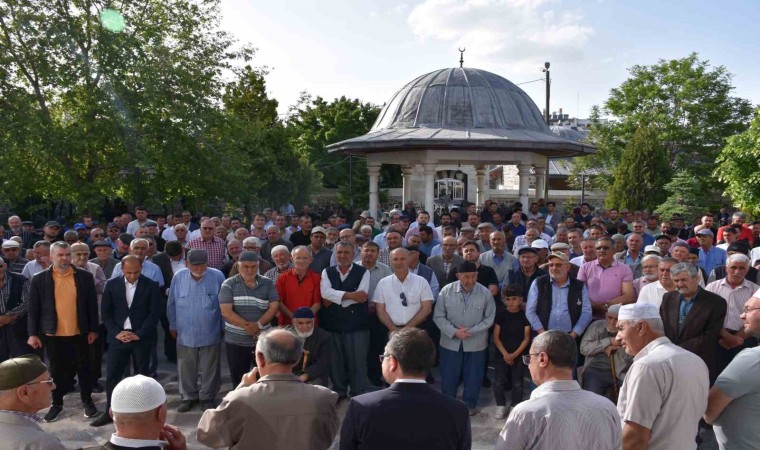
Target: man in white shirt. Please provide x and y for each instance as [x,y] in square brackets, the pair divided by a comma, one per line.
[652,293]
[665,391]
[345,314]
[402,299]
[559,411]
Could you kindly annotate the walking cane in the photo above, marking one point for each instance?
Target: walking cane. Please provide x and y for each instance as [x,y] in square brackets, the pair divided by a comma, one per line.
[614,377]
[305,360]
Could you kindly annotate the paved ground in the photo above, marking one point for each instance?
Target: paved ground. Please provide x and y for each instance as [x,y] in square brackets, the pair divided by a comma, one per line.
[74,430]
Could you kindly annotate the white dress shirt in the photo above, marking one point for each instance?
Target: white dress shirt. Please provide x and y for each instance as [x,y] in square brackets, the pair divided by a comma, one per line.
[130,291]
[415,288]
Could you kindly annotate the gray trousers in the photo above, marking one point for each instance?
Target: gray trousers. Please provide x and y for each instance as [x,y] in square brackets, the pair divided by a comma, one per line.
[192,361]
[348,364]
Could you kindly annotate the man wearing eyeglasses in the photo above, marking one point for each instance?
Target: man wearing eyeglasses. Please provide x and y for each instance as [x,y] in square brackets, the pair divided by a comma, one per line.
[559,411]
[25,388]
[733,401]
[215,247]
[608,281]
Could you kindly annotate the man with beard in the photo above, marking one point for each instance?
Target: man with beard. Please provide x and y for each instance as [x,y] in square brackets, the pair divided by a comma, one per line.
[649,273]
[314,366]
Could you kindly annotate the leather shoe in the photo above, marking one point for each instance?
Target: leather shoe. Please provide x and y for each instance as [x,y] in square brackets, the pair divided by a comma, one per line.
[103,419]
[186,405]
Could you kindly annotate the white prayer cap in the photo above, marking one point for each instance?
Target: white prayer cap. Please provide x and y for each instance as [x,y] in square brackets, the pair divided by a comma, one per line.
[137,394]
[639,311]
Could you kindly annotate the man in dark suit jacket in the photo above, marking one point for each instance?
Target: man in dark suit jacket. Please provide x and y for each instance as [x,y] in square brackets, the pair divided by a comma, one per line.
[173,255]
[131,307]
[449,256]
[65,335]
[409,414]
[692,316]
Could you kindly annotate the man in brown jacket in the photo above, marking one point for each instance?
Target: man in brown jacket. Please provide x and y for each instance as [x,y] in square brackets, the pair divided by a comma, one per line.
[276,411]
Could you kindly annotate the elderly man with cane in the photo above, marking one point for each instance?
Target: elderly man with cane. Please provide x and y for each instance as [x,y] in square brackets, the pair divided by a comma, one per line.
[606,360]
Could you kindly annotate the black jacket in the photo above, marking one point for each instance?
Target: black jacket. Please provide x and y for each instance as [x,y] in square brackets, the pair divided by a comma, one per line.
[410,416]
[143,314]
[319,347]
[42,318]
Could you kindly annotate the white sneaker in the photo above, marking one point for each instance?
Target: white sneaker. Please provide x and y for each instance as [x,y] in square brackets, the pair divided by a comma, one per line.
[501,411]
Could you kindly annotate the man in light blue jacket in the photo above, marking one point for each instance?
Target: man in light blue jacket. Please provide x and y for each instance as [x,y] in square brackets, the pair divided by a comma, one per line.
[464,312]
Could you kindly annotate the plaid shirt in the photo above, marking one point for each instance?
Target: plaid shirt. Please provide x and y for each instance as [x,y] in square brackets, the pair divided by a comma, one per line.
[215,249]
[5,293]
[33,417]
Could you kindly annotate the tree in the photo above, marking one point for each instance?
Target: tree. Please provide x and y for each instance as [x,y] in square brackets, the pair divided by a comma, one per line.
[685,196]
[686,100]
[83,101]
[268,170]
[315,124]
[738,166]
[641,174]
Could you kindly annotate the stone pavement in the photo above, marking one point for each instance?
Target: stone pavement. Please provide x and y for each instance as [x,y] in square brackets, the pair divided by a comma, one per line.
[74,430]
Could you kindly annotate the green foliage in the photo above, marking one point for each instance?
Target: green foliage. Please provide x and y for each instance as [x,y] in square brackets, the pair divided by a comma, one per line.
[685,196]
[738,166]
[316,123]
[686,100]
[84,101]
[641,174]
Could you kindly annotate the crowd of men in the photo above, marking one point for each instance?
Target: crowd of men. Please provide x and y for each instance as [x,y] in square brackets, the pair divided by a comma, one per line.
[633,331]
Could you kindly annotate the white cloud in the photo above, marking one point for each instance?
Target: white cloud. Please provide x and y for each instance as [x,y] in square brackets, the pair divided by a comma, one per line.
[519,33]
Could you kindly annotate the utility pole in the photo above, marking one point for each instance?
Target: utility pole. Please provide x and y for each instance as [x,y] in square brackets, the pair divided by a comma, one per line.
[548,89]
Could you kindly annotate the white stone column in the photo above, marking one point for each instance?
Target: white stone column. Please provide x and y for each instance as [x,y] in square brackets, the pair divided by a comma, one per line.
[480,173]
[540,182]
[374,175]
[523,172]
[429,171]
[407,172]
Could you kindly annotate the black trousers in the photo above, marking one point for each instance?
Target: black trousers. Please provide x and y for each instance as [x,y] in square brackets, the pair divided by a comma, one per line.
[240,361]
[96,354]
[69,356]
[119,356]
[12,343]
[508,377]
[378,338]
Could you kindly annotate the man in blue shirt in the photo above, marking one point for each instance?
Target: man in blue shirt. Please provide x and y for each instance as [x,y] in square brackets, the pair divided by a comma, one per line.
[195,320]
[710,256]
[558,302]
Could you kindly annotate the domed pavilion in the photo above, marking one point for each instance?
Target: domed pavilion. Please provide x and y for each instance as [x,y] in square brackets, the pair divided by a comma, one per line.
[451,124]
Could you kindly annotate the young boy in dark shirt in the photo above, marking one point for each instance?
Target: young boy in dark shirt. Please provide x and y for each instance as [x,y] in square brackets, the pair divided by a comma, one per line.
[511,335]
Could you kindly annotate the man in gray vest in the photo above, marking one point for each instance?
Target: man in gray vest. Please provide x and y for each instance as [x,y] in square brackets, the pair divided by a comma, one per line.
[573,314]
[345,314]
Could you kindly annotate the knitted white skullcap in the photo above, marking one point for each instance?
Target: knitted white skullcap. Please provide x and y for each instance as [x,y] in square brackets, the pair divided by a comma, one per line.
[137,394]
[639,311]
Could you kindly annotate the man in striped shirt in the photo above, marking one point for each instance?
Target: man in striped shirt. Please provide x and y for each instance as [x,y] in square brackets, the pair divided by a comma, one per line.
[559,412]
[248,303]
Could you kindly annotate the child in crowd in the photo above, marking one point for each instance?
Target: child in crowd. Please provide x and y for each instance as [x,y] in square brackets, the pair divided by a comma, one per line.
[511,335]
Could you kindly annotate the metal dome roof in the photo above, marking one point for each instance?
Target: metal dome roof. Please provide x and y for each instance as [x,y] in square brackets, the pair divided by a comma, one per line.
[461,109]
[460,98]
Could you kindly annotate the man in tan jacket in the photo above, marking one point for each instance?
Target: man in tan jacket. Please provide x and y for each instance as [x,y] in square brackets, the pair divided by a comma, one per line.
[276,411]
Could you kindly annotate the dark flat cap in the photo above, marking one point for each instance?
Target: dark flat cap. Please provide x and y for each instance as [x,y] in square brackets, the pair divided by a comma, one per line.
[126,238]
[101,243]
[197,256]
[467,267]
[19,371]
[249,256]
[52,223]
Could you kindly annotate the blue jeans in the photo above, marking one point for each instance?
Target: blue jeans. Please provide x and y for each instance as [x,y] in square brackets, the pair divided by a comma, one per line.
[455,366]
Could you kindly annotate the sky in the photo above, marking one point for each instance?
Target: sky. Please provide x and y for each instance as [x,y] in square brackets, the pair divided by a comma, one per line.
[370,49]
